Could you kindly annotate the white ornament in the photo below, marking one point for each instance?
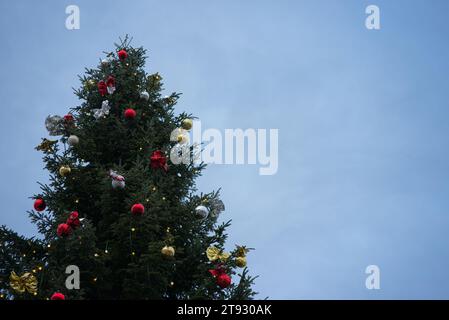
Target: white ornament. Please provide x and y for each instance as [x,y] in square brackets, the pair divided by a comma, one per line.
[202,212]
[103,111]
[118,181]
[73,140]
[105,62]
[144,95]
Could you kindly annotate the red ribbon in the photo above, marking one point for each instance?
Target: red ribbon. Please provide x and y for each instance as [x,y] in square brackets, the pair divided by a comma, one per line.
[158,160]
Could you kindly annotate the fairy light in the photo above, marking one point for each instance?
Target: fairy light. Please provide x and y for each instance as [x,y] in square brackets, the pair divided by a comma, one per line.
[106,251]
[39,268]
[96,255]
[163,198]
[133,253]
[154,189]
[48,246]
[133,229]
[94,279]
[147,200]
[34,270]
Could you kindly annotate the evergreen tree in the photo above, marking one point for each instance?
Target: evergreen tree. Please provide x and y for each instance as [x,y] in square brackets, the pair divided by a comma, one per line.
[117,207]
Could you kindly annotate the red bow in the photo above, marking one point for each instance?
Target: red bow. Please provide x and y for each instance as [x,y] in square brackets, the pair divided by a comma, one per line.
[217,271]
[110,82]
[158,160]
[102,88]
[73,220]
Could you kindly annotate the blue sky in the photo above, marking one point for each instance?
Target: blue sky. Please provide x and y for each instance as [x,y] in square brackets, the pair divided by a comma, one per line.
[362,116]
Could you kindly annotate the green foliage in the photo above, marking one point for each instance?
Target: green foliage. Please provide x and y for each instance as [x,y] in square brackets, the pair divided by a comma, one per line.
[119,255]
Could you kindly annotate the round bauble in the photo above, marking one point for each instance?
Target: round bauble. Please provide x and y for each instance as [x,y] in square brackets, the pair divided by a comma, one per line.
[182,138]
[137,209]
[73,220]
[187,124]
[129,114]
[144,95]
[64,170]
[201,212]
[122,54]
[73,140]
[240,262]
[168,251]
[57,296]
[39,204]
[223,280]
[63,230]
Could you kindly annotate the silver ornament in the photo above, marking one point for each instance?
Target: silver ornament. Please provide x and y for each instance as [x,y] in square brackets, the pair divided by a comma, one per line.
[201,212]
[54,125]
[118,181]
[73,140]
[103,111]
[144,95]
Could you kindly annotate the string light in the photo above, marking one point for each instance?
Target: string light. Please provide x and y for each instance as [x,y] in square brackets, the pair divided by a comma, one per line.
[133,253]
[133,229]
[48,246]
[94,279]
[77,201]
[96,255]
[147,200]
[106,251]
[163,198]
[34,270]
[154,188]
[40,268]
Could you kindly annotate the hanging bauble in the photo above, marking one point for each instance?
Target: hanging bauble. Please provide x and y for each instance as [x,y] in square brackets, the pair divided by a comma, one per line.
[144,95]
[168,251]
[137,209]
[122,54]
[57,296]
[73,140]
[63,230]
[54,125]
[118,181]
[64,170]
[39,204]
[187,124]
[240,262]
[129,114]
[201,212]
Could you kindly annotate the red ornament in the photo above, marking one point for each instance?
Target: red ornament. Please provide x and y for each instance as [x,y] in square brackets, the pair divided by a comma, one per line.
[57,296]
[110,82]
[130,114]
[223,280]
[158,160]
[73,220]
[138,209]
[63,230]
[102,88]
[39,204]
[122,54]
[68,118]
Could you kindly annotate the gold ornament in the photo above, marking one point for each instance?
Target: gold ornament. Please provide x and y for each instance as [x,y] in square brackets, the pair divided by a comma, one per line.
[64,170]
[187,124]
[240,262]
[181,139]
[213,253]
[26,282]
[46,145]
[241,251]
[89,84]
[168,251]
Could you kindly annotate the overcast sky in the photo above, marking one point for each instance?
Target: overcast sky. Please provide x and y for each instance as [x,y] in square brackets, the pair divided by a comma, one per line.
[362,116]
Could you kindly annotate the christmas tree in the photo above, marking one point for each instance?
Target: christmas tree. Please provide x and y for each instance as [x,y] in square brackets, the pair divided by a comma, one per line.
[116,208]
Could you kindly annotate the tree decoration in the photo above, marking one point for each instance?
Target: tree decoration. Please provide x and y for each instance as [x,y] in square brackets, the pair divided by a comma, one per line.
[46,145]
[39,204]
[89,84]
[64,170]
[57,296]
[187,124]
[158,160]
[118,181]
[27,282]
[54,125]
[129,114]
[110,83]
[105,62]
[240,254]
[122,54]
[102,87]
[63,230]
[201,212]
[217,206]
[213,254]
[144,95]
[168,251]
[103,111]
[68,118]
[137,209]
[73,140]
[222,279]
[73,220]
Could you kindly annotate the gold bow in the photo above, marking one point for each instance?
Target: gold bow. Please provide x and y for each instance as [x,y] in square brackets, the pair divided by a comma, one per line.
[25,282]
[46,145]
[213,253]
